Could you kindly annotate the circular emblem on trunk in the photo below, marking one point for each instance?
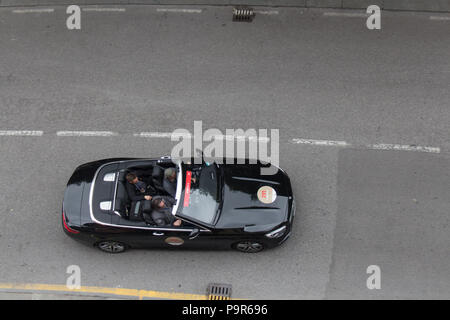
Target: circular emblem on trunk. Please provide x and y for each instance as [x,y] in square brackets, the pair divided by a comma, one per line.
[174,241]
[267,194]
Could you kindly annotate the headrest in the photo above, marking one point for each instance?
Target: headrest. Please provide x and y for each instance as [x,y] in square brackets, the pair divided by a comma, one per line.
[122,175]
[157,172]
[147,207]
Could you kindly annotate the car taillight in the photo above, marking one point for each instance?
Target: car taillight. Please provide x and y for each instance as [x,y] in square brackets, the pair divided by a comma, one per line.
[66,226]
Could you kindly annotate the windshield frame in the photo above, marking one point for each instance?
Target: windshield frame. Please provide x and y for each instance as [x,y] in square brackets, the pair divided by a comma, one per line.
[179,188]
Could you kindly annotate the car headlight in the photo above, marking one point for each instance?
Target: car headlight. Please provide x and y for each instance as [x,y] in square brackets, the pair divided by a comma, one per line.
[276,233]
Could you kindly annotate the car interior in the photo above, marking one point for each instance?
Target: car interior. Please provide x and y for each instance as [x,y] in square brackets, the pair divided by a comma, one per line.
[140,210]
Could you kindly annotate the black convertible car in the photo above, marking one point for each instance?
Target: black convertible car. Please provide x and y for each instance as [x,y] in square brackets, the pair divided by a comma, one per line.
[221,206]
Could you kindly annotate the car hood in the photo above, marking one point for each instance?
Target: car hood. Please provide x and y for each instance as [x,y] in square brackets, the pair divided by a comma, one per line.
[242,207]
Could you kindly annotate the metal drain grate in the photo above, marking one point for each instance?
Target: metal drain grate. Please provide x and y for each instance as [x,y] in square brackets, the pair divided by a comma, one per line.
[242,13]
[219,291]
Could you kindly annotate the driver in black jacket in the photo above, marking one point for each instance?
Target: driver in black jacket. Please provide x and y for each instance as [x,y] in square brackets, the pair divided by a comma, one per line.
[162,211]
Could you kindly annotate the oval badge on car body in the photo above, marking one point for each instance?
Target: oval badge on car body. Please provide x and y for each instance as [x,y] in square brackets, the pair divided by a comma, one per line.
[266,194]
[174,241]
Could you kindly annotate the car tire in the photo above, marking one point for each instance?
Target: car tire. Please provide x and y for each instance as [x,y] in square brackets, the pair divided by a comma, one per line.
[249,246]
[111,246]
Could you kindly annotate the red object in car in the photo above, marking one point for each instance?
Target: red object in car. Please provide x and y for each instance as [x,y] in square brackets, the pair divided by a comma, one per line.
[187,189]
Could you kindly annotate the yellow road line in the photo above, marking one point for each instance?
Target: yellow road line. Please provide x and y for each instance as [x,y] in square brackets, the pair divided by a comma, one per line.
[102,290]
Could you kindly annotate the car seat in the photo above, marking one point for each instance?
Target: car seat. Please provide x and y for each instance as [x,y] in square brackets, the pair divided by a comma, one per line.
[122,201]
[157,178]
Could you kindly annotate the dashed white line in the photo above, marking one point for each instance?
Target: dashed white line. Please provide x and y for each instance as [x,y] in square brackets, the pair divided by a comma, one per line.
[378,146]
[259,139]
[345,14]
[49,10]
[441,18]
[218,137]
[321,142]
[103,9]
[266,12]
[155,134]
[86,134]
[386,146]
[179,10]
[330,143]
[21,133]
[241,138]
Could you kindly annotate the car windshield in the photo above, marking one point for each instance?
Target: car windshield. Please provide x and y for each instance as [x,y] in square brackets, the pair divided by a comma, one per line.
[201,192]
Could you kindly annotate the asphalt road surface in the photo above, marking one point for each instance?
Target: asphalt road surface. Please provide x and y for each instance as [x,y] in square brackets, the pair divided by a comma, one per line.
[310,74]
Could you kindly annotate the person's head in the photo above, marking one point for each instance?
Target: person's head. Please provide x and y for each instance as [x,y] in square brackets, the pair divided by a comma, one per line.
[170,174]
[157,203]
[132,178]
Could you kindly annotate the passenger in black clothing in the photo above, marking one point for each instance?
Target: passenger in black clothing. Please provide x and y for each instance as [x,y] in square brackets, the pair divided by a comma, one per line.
[162,211]
[138,187]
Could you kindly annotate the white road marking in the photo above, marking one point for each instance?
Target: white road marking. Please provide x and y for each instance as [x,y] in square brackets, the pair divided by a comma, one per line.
[21,133]
[267,12]
[155,134]
[49,10]
[441,18]
[230,137]
[321,142]
[179,10]
[86,134]
[330,143]
[379,146]
[345,14]
[386,146]
[104,9]
[221,137]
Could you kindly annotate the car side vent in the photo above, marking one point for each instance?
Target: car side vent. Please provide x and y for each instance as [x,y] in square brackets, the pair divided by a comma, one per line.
[219,291]
[109,177]
[243,13]
[105,205]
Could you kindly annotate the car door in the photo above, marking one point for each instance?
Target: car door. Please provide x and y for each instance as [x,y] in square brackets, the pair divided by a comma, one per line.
[136,237]
[188,236]
[178,237]
[139,235]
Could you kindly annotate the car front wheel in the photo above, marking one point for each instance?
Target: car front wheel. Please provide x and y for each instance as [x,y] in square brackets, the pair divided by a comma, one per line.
[112,246]
[249,246]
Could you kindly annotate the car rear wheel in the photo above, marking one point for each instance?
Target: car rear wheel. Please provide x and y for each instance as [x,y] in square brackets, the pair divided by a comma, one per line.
[249,246]
[112,246]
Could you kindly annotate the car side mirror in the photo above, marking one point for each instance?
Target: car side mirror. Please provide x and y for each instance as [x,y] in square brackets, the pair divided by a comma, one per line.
[194,234]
